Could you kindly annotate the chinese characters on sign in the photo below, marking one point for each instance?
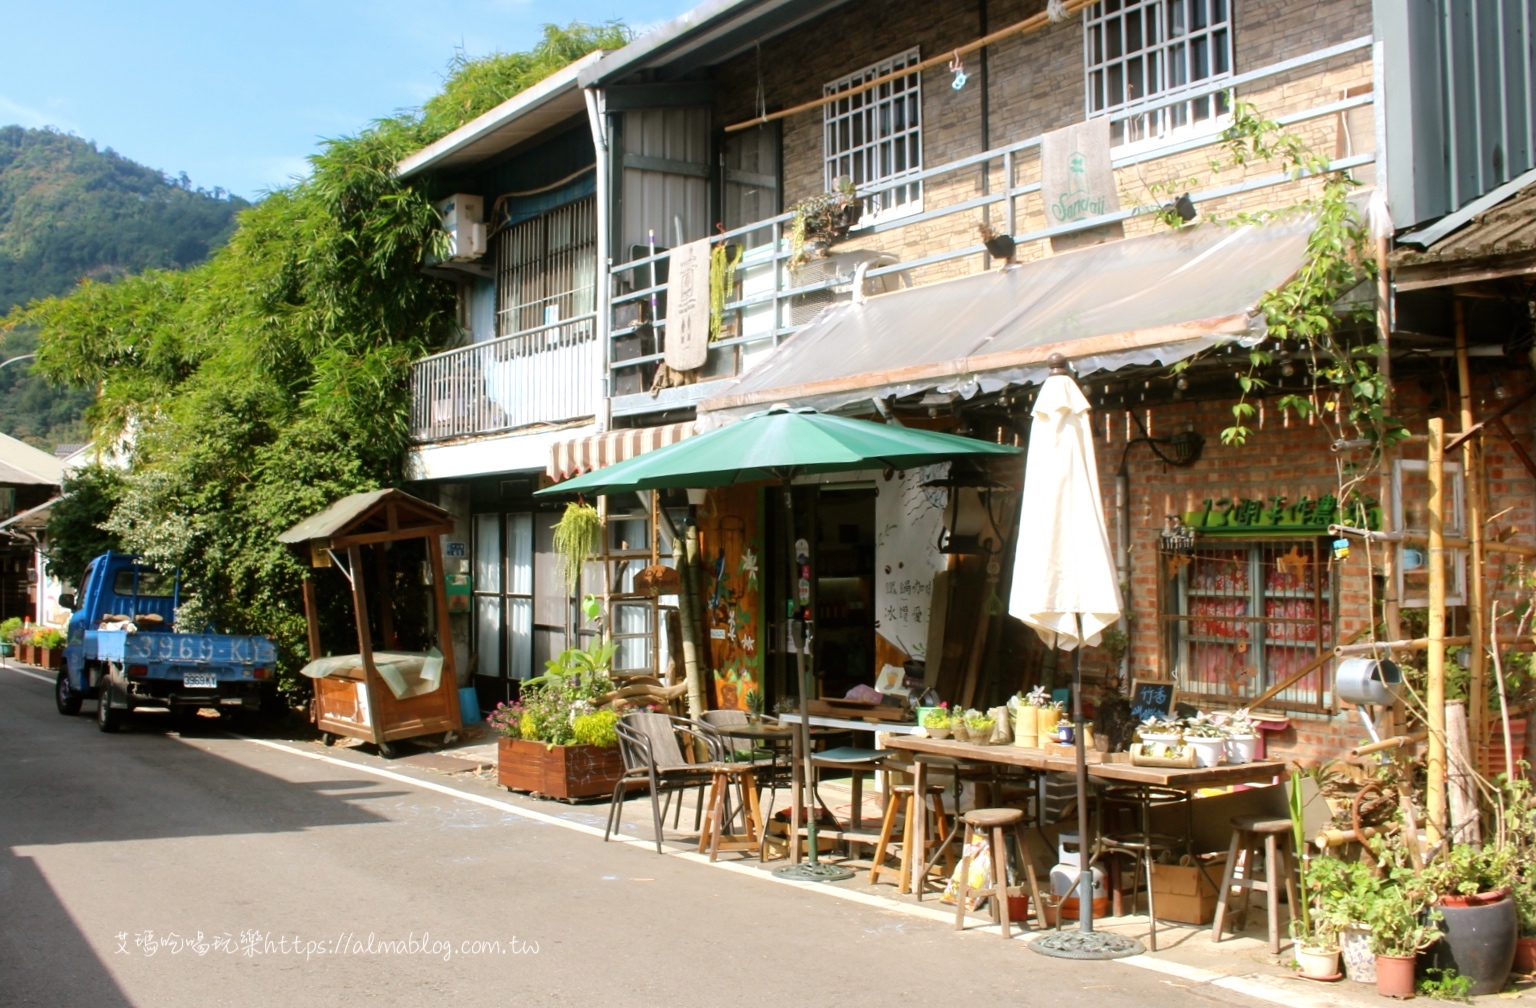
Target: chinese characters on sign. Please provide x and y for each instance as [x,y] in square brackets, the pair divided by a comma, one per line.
[908,517]
[687,332]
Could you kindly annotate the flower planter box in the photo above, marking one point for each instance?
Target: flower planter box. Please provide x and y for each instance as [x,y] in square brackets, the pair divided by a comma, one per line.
[564,772]
[48,658]
[24,654]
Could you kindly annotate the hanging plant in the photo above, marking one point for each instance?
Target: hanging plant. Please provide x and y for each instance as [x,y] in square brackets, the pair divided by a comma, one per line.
[723,259]
[577,535]
[821,220]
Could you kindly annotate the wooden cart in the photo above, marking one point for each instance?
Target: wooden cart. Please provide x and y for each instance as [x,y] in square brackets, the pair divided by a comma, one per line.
[354,699]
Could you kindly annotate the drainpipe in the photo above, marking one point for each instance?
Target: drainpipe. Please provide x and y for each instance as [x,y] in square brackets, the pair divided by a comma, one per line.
[1123,562]
[603,285]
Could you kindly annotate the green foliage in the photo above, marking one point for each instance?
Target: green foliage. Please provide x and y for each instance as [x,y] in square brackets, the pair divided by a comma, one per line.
[273,379]
[577,536]
[937,718]
[824,217]
[597,728]
[47,638]
[1465,870]
[1339,893]
[553,704]
[75,524]
[1444,985]
[9,628]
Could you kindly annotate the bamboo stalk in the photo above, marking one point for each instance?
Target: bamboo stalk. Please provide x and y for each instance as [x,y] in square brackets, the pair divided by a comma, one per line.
[1395,742]
[1381,647]
[1498,678]
[1434,799]
[1032,23]
[687,612]
[1477,600]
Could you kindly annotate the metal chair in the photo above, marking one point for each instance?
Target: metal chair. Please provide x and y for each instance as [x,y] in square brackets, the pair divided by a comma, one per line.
[648,744]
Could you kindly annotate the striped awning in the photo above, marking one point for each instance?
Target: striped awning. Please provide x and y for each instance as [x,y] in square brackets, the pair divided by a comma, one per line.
[582,455]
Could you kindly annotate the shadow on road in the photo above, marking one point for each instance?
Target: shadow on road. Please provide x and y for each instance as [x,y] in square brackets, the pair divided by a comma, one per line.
[42,953]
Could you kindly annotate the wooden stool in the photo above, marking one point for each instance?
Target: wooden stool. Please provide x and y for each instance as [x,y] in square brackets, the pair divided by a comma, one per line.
[1278,857]
[979,822]
[713,836]
[914,809]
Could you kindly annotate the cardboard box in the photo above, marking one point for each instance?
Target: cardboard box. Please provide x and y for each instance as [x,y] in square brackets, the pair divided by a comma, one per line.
[1184,894]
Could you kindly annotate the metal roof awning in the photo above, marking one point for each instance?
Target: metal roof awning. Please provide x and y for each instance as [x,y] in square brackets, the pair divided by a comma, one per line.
[1155,299]
[1492,238]
[373,516]
[521,117]
[34,519]
[583,455]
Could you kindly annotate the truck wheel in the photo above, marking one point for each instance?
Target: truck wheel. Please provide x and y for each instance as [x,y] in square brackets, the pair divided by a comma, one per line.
[67,699]
[108,718]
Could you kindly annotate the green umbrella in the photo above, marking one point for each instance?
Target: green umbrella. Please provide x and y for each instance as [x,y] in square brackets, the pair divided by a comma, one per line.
[781,444]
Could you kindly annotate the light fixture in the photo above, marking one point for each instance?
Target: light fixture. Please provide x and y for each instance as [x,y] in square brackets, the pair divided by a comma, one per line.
[963,474]
[1177,539]
[1287,366]
[1499,391]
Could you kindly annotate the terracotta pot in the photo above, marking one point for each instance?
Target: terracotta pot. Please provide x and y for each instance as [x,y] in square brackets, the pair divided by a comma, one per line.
[1480,937]
[1319,964]
[1394,976]
[1525,957]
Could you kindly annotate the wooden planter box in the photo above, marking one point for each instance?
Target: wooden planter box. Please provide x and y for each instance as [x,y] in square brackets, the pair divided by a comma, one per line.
[565,772]
[48,658]
[24,654]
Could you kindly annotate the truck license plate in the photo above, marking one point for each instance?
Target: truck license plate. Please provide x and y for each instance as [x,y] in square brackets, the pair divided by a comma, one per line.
[200,680]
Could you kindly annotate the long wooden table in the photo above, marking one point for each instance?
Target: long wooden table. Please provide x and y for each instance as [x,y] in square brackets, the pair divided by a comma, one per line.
[1042,762]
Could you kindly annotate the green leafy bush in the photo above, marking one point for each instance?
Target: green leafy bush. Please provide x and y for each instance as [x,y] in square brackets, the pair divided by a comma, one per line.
[597,728]
[9,629]
[47,638]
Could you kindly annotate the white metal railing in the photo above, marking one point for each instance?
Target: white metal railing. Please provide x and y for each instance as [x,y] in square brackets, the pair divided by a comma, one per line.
[768,287]
[545,375]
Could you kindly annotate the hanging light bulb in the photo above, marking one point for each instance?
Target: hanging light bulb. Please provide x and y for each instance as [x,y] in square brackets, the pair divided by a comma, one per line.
[1287,366]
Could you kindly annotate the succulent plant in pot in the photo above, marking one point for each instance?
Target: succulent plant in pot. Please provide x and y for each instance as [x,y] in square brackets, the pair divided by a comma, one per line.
[937,723]
[1242,736]
[822,219]
[979,724]
[1208,738]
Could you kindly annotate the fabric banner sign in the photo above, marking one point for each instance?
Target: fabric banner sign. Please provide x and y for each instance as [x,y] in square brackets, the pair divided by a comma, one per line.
[687,333]
[908,519]
[1076,180]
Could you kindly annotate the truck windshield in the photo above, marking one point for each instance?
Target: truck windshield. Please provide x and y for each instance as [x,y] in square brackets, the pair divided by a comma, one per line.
[150,583]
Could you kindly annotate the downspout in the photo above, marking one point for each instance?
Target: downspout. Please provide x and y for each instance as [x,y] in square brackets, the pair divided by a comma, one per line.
[597,121]
[1123,561]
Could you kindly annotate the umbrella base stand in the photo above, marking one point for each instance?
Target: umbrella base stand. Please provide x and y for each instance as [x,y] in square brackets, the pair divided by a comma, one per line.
[814,871]
[1087,945]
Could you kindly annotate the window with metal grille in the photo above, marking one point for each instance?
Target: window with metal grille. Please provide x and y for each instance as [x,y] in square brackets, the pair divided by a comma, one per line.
[876,135]
[1239,618]
[1139,51]
[546,272]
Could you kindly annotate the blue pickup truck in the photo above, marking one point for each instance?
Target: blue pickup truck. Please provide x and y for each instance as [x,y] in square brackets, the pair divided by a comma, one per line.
[122,649]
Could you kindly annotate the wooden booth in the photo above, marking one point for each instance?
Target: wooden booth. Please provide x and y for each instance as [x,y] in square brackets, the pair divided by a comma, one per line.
[396,686]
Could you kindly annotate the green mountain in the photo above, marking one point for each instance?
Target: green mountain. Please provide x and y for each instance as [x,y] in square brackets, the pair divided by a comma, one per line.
[70,211]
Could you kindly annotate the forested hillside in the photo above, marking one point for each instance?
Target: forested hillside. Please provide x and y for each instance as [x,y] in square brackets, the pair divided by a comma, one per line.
[69,211]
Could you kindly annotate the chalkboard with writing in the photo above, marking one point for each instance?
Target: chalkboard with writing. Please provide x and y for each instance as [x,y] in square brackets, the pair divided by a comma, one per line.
[1151,699]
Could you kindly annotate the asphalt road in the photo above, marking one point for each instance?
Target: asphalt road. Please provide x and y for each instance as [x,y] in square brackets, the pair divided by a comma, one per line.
[287,880]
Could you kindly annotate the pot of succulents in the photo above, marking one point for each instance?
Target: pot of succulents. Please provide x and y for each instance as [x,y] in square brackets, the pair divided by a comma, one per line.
[1477,913]
[1242,737]
[1399,932]
[1159,731]
[936,723]
[822,219]
[1208,739]
[979,724]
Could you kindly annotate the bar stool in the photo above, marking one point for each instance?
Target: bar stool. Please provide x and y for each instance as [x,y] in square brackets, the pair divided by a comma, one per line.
[713,837]
[1140,845]
[981,822]
[907,794]
[963,770]
[1278,857]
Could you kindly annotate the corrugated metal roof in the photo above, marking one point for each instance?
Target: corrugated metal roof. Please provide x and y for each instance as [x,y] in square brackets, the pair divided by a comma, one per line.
[1506,227]
[22,464]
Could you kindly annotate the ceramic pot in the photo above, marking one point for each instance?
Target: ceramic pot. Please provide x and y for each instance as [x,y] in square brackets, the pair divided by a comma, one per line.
[1242,748]
[1355,950]
[1209,752]
[940,733]
[1319,964]
[1480,935]
[960,733]
[1166,738]
[1394,976]
[1525,957]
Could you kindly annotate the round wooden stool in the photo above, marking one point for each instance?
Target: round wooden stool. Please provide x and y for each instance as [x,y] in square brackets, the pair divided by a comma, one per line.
[1248,833]
[713,837]
[981,822]
[906,794]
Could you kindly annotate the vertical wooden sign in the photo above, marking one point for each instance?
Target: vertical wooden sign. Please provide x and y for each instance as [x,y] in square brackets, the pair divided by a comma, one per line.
[687,333]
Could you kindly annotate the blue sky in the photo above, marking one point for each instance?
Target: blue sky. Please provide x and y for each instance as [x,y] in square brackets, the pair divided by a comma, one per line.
[236,93]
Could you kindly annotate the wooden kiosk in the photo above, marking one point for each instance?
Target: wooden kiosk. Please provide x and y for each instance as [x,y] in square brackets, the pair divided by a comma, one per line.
[352,697]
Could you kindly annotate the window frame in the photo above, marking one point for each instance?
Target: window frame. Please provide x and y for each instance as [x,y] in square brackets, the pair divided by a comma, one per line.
[903,98]
[501,596]
[1105,25]
[1174,616]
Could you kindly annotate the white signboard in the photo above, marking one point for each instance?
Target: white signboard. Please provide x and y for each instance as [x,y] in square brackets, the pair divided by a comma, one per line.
[908,519]
[687,333]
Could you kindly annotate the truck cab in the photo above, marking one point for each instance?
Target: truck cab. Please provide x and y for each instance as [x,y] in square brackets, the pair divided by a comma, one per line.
[123,650]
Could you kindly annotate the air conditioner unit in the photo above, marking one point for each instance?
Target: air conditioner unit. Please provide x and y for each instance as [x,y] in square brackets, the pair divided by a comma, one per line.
[841,267]
[463,217]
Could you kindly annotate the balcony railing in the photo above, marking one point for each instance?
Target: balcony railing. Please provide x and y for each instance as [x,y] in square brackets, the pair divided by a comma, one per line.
[548,375]
[774,301]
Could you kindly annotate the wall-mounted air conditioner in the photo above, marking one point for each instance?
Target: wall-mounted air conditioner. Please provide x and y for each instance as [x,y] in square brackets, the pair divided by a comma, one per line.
[463,216]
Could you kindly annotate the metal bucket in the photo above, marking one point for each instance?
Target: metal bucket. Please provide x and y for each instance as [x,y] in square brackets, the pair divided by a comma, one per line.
[1367,680]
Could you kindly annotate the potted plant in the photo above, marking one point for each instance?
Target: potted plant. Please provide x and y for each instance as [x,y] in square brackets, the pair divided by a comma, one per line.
[1208,738]
[559,738]
[8,631]
[1524,895]
[23,639]
[48,648]
[1159,731]
[980,725]
[1333,888]
[1027,708]
[822,219]
[1472,890]
[936,723]
[1399,932]
[1242,737]
[1343,891]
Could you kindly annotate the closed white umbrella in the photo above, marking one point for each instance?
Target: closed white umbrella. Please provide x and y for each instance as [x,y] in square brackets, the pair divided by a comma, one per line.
[1065,586]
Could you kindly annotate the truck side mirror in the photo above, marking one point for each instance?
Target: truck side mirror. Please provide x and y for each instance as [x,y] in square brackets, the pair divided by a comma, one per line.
[67,600]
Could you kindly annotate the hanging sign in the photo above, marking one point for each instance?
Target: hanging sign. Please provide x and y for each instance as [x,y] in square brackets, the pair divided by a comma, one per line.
[908,519]
[687,332]
[1076,180]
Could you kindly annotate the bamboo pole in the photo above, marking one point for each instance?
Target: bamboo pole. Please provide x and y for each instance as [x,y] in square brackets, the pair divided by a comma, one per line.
[1465,820]
[1421,539]
[1477,601]
[1386,647]
[1387,495]
[687,611]
[1434,798]
[1395,742]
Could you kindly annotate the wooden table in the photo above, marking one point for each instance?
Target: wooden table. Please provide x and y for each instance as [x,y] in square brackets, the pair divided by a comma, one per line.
[1041,761]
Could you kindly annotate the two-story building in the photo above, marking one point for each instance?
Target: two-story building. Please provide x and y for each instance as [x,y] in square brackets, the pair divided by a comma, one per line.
[855,168]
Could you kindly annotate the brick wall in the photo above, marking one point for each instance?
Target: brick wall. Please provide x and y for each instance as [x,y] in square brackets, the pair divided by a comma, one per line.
[1035,85]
